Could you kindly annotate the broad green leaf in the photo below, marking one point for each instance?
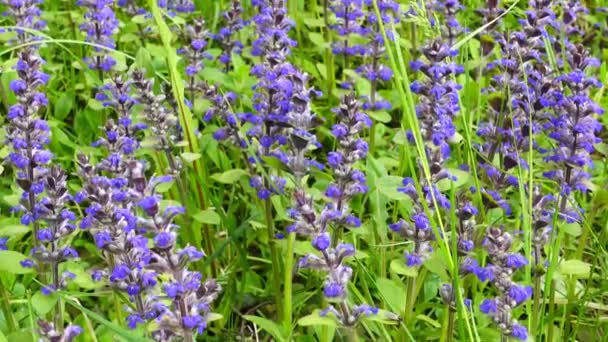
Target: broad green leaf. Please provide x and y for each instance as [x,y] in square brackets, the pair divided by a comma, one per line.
[120,331]
[398,266]
[267,325]
[190,156]
[462,178]
[383,317]
[436,265]
[143,59]
[207,216]
[63,106]
[429,320]
[393,293]
[573,229]
[11,263]
[387,186]
[230,176]
[575,268]
[21,336]
[13,229]
[43,304]
[317,39]
[380,115]
[316,319]
[139,19]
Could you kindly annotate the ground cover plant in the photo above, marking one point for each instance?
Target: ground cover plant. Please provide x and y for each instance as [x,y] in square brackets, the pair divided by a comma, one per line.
[323,170]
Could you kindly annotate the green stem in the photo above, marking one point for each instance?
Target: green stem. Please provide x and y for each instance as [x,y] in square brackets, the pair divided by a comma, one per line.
[537,296]
[288,273]
[6,309]
[409,300]
[274,257]
[450,331]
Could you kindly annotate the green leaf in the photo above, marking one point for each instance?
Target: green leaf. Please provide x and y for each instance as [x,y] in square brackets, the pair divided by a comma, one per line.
[143,59]
[21,336]
[230,176]
[387,186]
[393,293]
[2,337]
[383,317]
[398,267]
[43,304]
[315,319]
[139,19]
[380,115]
[462,178]
[190,156]
[11,263]
[436,265]
[269,326]
[575,268]
[573,229]
[120,331]
[63,106]
[13,229]
[429,320]
[207,216]
[317,39]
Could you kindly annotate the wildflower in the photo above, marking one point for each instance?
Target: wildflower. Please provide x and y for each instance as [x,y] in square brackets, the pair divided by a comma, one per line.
[375,71]
[26,15]
[349,16]
[310,222]
[233,23]
[504,263]
[197,37]
[49,333]
[159,119]
[99,26]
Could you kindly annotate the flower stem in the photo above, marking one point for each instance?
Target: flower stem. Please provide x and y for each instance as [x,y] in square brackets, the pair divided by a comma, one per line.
[288,274]
[537,296]
[274,258]
[450,331]
[6,308]
[409,300]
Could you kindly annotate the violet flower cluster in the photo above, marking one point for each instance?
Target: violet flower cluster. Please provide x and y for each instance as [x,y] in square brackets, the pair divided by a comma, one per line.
[99,26]
[348,182]
[194,53]
[48,332]
[436,110]
[111,219]
[44,197]
[136,236]
[503,263]
[375,70]
[179,6]
[521,82]
[574,128]
[226,37]
[349,18]
[273,91]
[26,15]
[162,122]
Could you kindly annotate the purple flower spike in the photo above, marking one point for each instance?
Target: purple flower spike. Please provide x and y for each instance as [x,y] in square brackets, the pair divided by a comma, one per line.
[99,26]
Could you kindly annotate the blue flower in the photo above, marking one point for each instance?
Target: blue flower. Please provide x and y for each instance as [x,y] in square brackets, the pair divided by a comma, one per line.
[333,290]
[519,331]
[322,241]
[99,25]
[488,306]
[516,261]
